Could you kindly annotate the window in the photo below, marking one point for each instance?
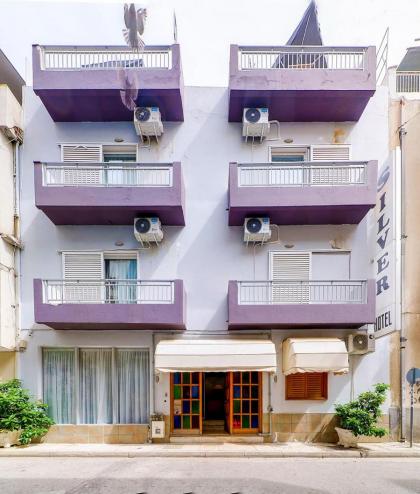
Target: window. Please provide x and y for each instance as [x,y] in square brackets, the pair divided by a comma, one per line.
[307,386]
[97,385]
[289,154]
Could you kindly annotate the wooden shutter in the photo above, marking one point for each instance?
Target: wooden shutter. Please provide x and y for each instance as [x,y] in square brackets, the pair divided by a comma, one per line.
[307,386]
[290,266]
[82,153]
[87,153]
[330,152]
[80,266]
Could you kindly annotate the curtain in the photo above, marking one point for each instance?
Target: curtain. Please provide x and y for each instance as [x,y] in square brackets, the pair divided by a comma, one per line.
[125,291]
[95,386]
[58,384]
[133,386]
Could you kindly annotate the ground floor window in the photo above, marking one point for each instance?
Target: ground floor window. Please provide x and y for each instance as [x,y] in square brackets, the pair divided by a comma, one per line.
[307,386]
[97,385]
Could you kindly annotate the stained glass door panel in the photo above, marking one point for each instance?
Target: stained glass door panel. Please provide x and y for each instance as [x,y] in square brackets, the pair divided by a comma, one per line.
[246,402]
[186,396]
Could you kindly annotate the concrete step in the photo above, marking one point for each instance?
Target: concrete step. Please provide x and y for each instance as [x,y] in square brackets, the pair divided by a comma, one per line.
[216,439]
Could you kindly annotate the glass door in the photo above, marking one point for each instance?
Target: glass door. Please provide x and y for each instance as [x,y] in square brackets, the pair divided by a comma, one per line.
[186,402]
[245,402]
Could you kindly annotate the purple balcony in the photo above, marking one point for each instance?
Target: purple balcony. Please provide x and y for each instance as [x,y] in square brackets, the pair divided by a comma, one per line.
[102,83]
[301,83]
[109,194]
[109,304]
[301,304]
[307,193]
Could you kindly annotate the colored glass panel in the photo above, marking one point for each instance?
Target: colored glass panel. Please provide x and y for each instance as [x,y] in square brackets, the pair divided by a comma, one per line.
[177,422]
[177,378]
[254,392]
[186,423]
[177,392]
[254,421]
[195,391]
[195,406]
[236,421]
[186,392]
[236,378]
[186,378]
[195,378]
[236,406]
[236,391]
[186,406]
[245,392]
[245,406]
[195,421]
[245,377]
[254,377]
[245,421]
[254,406]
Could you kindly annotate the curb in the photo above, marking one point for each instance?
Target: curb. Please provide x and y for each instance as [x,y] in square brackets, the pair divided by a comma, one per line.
[210,454]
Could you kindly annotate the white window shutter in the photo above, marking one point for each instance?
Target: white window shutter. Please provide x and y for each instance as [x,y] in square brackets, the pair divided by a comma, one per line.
[330,152]
[82,153]
[86,153]
[289,271]
[83,273]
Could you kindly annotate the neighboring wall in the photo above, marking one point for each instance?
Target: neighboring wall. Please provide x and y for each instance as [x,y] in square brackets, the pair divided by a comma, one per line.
[10,116]
[406,112]
[206,253]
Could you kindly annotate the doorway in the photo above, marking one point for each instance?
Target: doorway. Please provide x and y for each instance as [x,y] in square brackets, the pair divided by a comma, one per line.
[214,403]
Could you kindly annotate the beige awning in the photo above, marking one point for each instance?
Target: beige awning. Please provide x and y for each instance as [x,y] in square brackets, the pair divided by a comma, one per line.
[215,355]
[315,355]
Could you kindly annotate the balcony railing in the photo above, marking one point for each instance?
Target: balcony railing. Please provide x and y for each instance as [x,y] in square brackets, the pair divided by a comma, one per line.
[106,175]
[302,174]
[302,57]
[56,292]
[104,58]
[408,82]
[301,292]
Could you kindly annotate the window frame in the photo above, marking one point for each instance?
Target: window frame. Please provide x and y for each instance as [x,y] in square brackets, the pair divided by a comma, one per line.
[290,149]
[324,384]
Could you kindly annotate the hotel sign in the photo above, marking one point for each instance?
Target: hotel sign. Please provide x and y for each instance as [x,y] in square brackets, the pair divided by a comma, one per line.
[385,236]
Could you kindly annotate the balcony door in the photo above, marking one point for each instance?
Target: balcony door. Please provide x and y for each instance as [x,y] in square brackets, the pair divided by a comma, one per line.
[121,281]
[290,273]
[116,172]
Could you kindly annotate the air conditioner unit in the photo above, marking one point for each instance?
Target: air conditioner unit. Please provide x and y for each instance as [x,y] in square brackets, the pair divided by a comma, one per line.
[148,230]
[257,229]
[148,122]
[255,123]
[358,344]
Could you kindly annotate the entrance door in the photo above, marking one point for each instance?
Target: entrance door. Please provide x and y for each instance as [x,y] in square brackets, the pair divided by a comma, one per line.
[245,402]
[214,403]
[186,396]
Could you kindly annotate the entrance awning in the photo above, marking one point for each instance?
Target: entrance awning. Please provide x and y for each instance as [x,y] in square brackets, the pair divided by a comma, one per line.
[215,355]
[315,355]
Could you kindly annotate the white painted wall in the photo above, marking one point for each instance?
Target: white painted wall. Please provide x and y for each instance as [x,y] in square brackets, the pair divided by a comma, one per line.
[206,253]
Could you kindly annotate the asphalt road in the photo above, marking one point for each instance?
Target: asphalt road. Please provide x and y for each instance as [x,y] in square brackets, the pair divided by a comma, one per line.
[208,475]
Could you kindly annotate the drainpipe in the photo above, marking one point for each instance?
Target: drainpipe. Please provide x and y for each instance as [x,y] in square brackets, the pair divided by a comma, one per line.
[403,339]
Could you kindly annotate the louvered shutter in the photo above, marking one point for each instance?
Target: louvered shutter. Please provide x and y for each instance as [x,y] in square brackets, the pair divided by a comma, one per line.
[307,386]
[330,175]
[83,273]
[287,271]
[330,152]
[82,153]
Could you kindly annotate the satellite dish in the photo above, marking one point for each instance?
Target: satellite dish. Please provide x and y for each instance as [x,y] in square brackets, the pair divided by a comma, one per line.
[142,114]
[253,115]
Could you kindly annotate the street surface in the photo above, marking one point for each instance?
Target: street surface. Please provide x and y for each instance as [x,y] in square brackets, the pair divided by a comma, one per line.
[208,475]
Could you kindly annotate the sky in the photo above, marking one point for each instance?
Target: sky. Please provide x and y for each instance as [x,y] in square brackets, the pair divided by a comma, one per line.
[206,28]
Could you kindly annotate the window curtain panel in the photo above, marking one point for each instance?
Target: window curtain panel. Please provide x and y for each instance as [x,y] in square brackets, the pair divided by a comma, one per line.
[95,386]
[122,291]
[58,384]
[133,386]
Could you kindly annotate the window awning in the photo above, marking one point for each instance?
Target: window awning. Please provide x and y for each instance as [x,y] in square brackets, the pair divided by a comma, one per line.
[315,355]
[215,355]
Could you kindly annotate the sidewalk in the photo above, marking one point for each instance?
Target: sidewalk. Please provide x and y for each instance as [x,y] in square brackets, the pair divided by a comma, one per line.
[228,450]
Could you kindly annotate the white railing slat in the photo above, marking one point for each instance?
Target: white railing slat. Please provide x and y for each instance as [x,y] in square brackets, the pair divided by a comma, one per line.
[408,82]
[301,292]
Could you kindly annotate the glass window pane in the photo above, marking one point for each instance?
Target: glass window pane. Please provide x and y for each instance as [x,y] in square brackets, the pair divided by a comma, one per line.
[236,406]
[236,421]
[177,378]
[254,406]
[237,377]
[245,406]
[186,378]
[236,391]
[177,422]
[177,392]
[254,421]
[186,422]
[245,421]
[245,392]
[95,385]
[254,392]
[195,406]
[195,392]
[133,386]
[58,383]
[245,377]
[195,421]
[254,377]
[185,406]
[195,378]
[186,392]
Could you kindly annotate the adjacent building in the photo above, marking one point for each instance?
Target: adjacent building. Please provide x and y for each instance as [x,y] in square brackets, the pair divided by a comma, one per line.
[254,314]
[11,138]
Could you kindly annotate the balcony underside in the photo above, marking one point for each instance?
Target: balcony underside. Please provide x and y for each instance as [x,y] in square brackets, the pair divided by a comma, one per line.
[116,214]
[105,105]
[301,105]
[302,215]
[300,316]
